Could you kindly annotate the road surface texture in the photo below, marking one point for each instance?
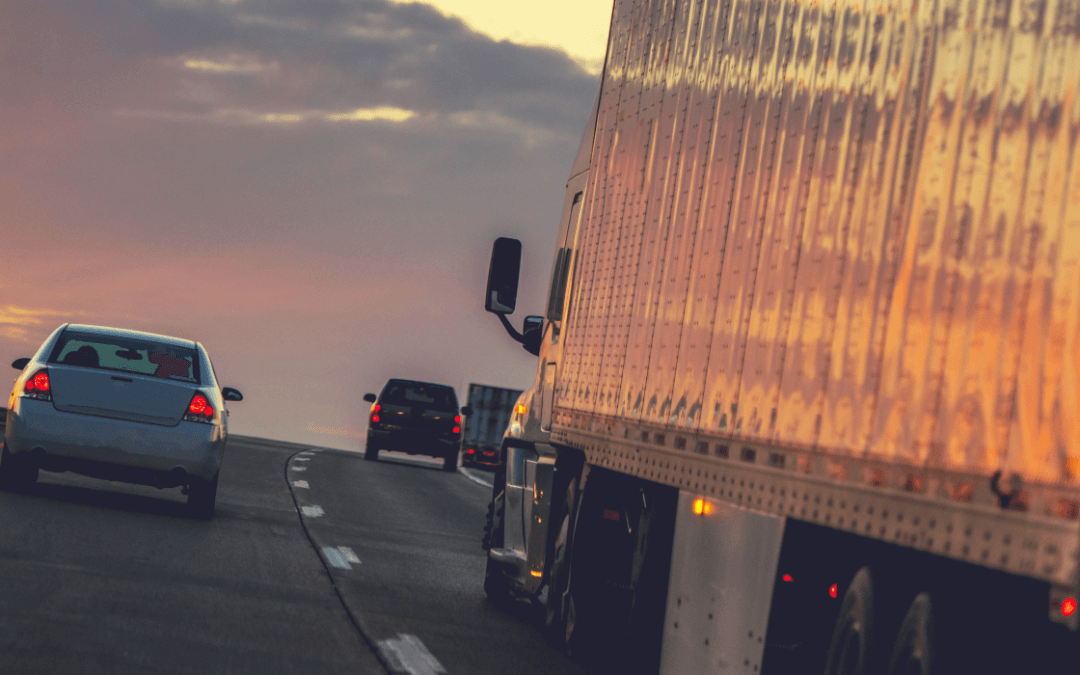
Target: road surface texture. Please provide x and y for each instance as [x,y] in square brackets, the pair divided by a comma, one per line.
[104,577]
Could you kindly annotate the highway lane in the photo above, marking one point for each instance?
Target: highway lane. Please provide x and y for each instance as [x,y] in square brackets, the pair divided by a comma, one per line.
[417,588]
[103,577]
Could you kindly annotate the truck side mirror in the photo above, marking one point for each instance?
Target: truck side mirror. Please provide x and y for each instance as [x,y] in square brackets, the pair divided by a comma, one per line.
[533,334]
[370,398]
[502,283]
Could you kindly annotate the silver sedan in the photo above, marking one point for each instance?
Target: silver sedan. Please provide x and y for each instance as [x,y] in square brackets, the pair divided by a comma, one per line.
[120,405]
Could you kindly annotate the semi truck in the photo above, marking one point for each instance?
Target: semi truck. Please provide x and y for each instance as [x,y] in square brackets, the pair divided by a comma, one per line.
[482,430]
[808,381]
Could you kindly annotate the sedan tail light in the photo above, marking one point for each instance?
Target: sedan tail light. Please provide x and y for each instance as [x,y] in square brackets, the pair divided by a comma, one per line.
[38,387]
[199,410]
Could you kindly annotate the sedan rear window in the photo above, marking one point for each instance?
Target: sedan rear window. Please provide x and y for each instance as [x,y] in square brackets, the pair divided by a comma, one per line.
[145,357]
[419,394]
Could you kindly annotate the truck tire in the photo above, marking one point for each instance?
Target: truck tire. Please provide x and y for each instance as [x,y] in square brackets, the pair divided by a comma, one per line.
[851,651]
[572,621]
[496,585]
[559,576]
[914,652]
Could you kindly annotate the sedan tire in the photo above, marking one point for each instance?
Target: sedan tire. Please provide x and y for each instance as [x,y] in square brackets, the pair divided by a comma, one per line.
[16,472]
[202,497]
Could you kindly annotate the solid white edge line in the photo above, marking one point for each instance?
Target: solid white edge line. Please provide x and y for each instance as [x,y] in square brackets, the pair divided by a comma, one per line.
[468,474]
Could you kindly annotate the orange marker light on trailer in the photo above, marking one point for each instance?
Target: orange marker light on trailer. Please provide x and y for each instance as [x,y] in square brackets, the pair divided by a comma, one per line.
[521,408]
[832,591]
[1068,607]
[702,507]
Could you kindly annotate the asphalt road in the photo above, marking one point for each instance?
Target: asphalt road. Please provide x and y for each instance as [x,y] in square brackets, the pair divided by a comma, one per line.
[104,577]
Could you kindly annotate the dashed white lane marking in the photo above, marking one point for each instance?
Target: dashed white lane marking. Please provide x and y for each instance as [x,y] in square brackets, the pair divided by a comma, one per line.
[468,474]
[312,511]
[340,556]
[301,459]
[407,654]
[348,554]
[298,468]
[334,557]
[300,483]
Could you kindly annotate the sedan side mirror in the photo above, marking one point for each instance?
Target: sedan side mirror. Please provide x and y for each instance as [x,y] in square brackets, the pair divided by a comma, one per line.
[466,410]
[503,272]
[230,394]
[370,398]
[19,364]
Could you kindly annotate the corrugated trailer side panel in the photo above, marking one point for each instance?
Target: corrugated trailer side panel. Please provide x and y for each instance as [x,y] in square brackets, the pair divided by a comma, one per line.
[844,234]
[879,193]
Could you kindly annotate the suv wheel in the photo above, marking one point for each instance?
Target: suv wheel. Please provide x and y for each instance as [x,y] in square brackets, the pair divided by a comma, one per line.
[450,462]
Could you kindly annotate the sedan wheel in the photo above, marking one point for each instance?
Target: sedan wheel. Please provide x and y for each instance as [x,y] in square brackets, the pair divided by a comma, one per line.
[16,472]
[202,497]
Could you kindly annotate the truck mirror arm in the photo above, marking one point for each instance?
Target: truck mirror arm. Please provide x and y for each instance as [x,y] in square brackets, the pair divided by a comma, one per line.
[530,342]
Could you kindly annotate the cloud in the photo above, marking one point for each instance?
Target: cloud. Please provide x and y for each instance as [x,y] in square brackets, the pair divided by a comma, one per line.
[233,64]
[236,116]
[308,187]
[23,324]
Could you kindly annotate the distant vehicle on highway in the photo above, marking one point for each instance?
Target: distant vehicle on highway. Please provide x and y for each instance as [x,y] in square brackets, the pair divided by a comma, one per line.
[418,418]
[121,405]
[482,432]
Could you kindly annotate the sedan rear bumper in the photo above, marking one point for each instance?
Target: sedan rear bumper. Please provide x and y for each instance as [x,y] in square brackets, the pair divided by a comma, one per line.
[72,441]
[413,442]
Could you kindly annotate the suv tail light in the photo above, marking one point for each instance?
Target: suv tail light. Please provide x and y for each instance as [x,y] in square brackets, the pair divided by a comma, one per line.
[37,387]
[199,410]
[375,412]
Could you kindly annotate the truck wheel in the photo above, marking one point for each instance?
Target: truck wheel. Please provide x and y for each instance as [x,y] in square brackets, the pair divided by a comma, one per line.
[850,651]
[567,623]
[913,653]
[558,580]
[496,585]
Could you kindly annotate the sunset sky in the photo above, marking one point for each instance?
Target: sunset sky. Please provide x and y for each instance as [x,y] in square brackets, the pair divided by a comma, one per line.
[309,188]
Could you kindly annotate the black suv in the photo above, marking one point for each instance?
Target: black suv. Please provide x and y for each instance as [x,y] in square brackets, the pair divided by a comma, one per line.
[419,418]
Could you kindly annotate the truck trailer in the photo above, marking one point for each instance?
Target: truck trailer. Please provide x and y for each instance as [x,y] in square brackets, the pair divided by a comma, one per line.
[483,428]
[808,387]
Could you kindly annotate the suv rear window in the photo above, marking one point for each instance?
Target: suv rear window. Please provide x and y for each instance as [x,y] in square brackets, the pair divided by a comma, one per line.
[419,394]
[145,357]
